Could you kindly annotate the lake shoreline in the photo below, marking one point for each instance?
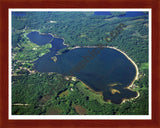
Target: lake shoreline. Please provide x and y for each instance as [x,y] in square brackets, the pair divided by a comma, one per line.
[101,93]
[127,87]
[135,78]
[29,31]
[124,100]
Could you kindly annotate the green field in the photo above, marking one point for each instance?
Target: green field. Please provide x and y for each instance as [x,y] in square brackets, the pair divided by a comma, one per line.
[144,66]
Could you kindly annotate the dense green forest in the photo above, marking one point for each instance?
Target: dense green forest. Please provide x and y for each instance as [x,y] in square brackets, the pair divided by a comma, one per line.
[35,93]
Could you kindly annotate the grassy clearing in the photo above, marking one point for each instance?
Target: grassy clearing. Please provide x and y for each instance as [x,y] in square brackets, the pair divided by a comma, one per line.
[136,89]
[88,92]
[65,93]
[83,35]
[80,110]
[144,66]
[44,99]
[53,111]
[31,51]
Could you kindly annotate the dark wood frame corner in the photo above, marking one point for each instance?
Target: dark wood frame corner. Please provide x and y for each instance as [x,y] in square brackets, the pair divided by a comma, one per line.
[6,4]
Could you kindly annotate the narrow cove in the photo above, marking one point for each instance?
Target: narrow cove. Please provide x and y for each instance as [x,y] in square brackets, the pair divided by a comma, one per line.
[110,72]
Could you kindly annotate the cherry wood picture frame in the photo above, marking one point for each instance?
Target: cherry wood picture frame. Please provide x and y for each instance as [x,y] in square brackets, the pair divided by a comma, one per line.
[4,40]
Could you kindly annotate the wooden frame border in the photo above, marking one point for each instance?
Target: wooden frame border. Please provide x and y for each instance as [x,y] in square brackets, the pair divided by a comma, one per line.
[6,4]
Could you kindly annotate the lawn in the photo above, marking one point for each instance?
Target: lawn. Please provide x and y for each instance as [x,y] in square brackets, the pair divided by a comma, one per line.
[144,66]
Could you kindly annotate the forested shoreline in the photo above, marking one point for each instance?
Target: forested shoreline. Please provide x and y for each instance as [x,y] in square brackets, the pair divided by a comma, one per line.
[44,92]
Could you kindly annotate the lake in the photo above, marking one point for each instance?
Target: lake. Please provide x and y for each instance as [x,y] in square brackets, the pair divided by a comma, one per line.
[102,13]
[132,14]
[127,14]
[109,71]
[40,39]
[19,13]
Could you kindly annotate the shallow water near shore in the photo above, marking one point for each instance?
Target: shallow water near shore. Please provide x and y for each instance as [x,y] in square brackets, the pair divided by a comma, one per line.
[107,71]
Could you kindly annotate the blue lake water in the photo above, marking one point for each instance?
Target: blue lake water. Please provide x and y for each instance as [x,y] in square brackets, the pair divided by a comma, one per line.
[96,67]
[102,13]
[19,13]
[39,39]
[133,14]
[127,14]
